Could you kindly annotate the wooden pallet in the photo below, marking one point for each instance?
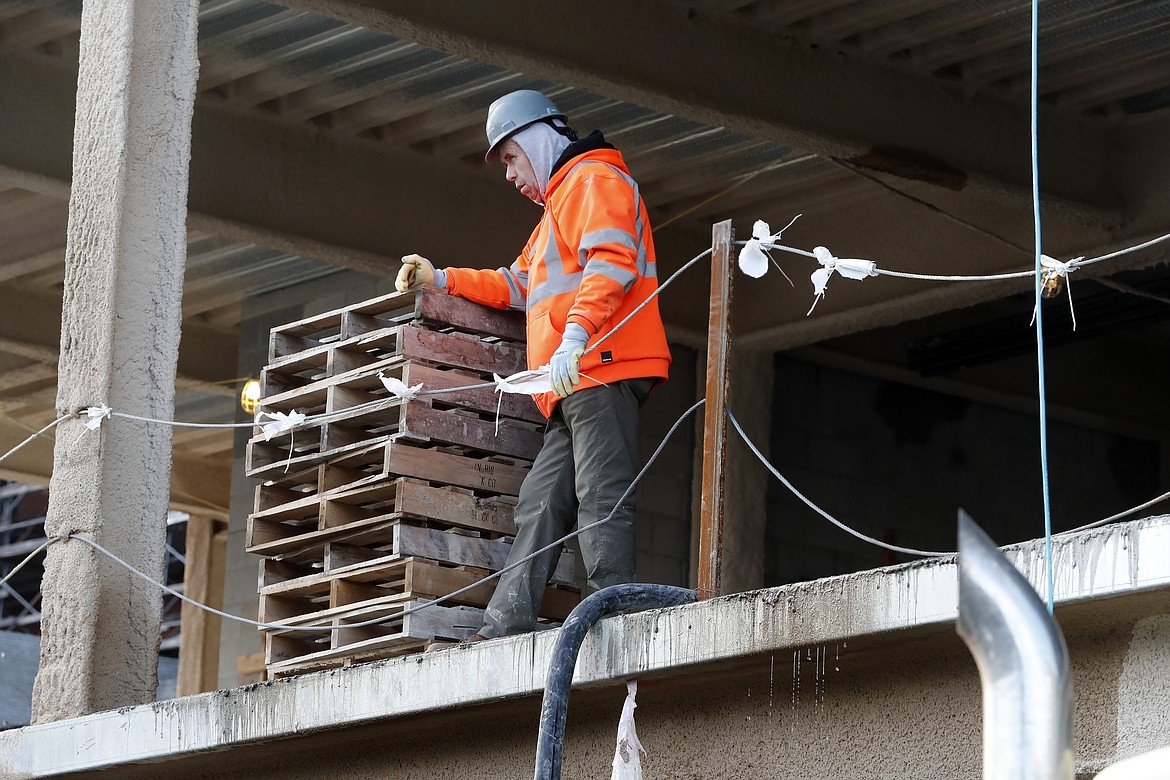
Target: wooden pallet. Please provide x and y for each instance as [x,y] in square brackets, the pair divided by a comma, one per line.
[355,515]
[391,521]
[359,386]
[289,596]
[388,502]
[360,591]
[365,464]
[309,572]
[409,342]
[431,307]
[288,653]
[410,421]
[427,325]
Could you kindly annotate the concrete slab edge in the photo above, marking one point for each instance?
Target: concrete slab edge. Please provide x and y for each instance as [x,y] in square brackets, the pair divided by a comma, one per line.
[1113,561]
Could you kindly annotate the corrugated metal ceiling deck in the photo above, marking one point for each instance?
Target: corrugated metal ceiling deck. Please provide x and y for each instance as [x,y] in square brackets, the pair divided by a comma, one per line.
[1098,58]
[1101,58]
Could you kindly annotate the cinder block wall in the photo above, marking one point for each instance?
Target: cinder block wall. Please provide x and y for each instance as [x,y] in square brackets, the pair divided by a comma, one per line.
[897,462]
[664,494]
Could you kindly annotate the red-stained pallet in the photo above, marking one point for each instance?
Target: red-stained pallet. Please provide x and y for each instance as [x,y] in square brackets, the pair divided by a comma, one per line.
[314,610]
[378,503]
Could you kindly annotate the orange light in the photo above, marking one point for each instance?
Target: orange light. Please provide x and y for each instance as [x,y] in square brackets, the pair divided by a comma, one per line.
[1051,284]
[250,396]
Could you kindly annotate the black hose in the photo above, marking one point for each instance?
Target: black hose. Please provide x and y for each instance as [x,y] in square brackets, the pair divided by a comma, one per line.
[555,708]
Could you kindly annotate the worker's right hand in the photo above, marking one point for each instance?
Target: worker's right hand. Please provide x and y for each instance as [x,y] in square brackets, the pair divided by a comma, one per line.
[415,272]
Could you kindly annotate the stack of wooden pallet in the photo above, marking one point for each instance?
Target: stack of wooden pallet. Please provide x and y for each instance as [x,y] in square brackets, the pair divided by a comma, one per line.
[386,503]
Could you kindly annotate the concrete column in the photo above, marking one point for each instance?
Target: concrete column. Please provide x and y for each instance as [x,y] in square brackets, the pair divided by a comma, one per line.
[119,345]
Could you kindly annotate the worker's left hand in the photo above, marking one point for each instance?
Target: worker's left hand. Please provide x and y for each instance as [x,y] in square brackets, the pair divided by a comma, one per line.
[563,367]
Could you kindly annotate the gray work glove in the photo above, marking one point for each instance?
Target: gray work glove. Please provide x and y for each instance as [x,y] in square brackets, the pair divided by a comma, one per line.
[416,271]
[563,367]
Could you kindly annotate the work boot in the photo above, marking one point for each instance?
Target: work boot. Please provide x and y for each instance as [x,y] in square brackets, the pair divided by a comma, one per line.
[437,644]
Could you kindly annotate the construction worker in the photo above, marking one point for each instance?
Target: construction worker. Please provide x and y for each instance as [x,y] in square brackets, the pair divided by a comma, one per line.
[587,265]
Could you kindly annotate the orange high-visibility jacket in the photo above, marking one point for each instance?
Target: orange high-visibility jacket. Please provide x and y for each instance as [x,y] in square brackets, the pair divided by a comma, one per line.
[590,261]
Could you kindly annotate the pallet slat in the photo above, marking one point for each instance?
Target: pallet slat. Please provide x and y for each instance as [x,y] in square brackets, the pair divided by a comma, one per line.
[395,421]
[286,653]
[313,604]
[313,521]
[445,310]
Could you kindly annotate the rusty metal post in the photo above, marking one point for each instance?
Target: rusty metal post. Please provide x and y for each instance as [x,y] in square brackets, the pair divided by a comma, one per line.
[715,417]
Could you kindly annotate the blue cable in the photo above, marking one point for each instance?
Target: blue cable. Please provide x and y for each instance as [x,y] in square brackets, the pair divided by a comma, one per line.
[1039,308]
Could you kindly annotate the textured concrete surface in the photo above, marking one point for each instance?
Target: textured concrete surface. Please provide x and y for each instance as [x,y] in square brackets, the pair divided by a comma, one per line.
[1143,708]
[119,345]
[860,676]
[19,655]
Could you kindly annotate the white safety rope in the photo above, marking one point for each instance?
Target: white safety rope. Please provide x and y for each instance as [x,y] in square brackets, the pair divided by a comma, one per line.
[41,432]
[754,258]
[556,544]
[892,547]
[380,620]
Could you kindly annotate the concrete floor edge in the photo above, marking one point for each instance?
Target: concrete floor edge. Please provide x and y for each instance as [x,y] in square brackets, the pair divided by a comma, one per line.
[1114,561]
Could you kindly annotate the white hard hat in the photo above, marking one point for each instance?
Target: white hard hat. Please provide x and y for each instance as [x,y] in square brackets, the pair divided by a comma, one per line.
[515,111]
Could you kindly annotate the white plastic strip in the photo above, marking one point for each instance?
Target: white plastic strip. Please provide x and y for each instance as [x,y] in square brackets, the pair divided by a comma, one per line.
[279,422]
[96,414]
[754,256]
[849,268]
[41,432]
[1055,269]
[627,761]
[398,387]
[525,382]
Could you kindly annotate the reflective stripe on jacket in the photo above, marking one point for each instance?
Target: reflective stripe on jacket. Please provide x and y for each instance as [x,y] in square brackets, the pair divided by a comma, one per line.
[590,260]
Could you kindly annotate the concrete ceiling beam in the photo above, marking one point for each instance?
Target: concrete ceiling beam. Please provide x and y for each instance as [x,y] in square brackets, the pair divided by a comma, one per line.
[32,326]
[788,93]
[27,378]
[350,202]
[41,353]
[33,264]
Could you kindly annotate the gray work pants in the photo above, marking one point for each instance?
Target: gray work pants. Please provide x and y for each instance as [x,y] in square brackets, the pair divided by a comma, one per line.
[587,461]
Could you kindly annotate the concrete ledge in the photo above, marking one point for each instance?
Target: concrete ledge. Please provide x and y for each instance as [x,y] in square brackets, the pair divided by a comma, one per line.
[920,597]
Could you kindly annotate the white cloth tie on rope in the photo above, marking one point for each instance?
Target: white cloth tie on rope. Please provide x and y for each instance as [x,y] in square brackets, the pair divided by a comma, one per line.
[530,382]
[754,257]
[398,387]
[525,382]
[96,414]
[1055,268]
[279,422]
[627,763]
[850,268]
